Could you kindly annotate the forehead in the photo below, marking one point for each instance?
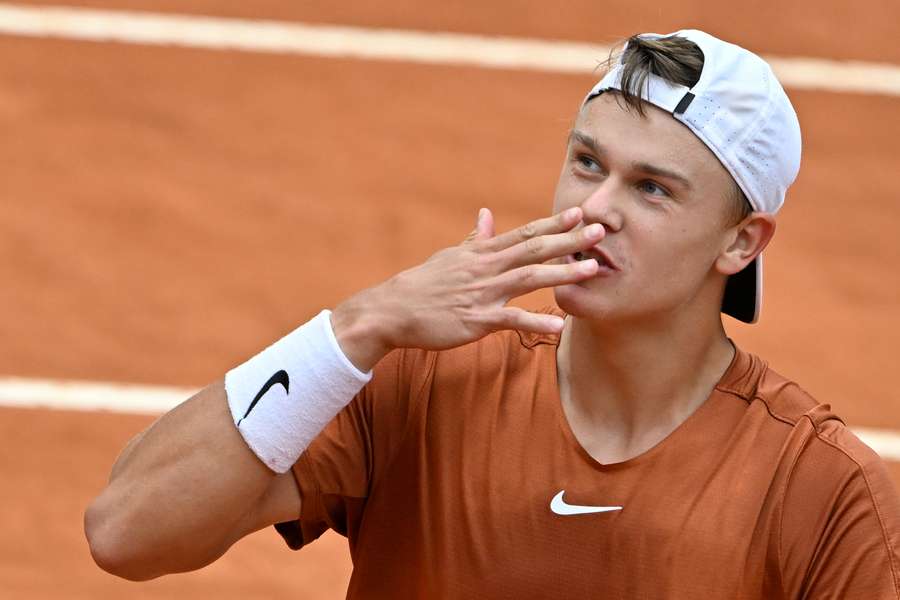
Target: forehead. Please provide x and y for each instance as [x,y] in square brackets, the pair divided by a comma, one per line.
[655,138]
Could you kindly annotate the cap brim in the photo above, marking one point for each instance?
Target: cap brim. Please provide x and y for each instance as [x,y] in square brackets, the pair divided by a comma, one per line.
[743,293]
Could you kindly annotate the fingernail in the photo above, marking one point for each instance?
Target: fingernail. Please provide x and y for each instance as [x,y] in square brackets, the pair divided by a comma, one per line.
[570,213]
[592,230]
[587,266]
[480,215]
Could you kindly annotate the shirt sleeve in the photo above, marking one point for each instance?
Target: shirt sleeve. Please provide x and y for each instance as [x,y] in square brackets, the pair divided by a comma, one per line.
[840,526]
[337,470]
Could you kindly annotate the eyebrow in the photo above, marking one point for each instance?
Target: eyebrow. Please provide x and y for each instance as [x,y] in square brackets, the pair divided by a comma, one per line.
[644,167]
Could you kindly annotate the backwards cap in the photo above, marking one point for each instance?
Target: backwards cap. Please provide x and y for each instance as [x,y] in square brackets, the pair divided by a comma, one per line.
[740,111]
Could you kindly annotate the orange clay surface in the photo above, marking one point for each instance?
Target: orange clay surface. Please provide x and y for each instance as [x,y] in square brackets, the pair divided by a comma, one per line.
[169,212]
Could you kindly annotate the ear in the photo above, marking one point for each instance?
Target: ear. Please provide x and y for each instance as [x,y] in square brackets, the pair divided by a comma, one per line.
[745,241]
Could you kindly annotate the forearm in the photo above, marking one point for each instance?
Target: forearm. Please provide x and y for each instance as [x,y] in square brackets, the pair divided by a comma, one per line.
[177,492]
[122,459]
[188,487]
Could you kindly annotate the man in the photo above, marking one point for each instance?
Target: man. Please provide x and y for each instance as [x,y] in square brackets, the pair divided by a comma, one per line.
[621,447]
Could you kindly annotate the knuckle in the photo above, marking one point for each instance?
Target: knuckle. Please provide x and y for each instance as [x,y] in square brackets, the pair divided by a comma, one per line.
[466,302]
[473,292]
[485,263]
[529,273]
[534,246]
[527,231]
[475,244]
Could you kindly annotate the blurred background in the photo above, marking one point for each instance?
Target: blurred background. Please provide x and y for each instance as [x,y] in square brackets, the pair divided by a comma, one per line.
[178,193]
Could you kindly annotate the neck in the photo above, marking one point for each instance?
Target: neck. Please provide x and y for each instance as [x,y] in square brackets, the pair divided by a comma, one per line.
[625,387]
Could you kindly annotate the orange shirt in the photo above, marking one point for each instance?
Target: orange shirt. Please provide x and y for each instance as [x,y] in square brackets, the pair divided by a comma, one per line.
[442,471]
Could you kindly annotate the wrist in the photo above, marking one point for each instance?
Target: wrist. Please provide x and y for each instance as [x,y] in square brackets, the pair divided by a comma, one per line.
[360,333]
[284,396]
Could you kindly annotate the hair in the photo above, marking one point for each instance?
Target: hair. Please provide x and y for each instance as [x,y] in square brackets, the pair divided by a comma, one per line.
[678,60]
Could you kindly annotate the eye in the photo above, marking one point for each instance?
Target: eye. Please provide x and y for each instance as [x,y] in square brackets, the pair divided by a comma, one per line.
[588,163]
[653,188]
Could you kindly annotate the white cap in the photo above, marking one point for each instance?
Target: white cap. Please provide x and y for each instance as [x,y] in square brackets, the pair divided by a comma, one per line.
[740,111]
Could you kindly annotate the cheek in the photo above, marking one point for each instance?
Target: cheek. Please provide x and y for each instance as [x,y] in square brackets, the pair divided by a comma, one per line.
[563,198]
[680,256]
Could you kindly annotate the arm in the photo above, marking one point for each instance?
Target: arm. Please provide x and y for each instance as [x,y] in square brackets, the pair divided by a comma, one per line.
[186,489]
[162,512]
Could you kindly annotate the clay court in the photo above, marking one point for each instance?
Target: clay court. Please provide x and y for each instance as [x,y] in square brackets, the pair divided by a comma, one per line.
[169,211]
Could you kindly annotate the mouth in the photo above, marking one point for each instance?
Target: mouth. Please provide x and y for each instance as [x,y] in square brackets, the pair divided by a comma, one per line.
[606,264]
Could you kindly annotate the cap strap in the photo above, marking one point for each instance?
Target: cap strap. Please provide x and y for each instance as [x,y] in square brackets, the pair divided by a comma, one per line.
[658,91]
[683,104]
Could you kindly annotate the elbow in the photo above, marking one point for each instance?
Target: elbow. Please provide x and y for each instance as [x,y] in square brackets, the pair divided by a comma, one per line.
[110,546]
[123,544]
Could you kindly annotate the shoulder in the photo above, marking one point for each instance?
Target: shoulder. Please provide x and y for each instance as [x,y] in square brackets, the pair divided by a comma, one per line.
[816,454]
[839,509]
[825,459]
[821,431]
[812,427]
[751,379]
[835,487]
[785,405]
[836,501]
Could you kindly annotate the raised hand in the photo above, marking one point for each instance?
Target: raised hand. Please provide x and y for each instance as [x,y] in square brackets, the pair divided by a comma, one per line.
[460,293]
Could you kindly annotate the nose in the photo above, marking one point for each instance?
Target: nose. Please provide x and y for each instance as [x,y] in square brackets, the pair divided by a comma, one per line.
[603,205]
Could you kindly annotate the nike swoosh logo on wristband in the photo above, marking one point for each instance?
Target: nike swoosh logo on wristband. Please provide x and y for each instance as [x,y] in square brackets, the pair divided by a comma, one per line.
[279,377]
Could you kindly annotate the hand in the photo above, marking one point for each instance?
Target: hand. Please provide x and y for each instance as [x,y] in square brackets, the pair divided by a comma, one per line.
[459,295]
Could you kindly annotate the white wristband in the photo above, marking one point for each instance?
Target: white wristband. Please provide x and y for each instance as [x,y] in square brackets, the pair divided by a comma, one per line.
[284,396]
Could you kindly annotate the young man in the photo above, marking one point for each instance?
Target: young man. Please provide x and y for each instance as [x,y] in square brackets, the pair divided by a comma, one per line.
[621,447]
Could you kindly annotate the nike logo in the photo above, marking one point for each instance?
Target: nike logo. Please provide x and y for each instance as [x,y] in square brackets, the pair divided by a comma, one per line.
[279,377]
[561,507]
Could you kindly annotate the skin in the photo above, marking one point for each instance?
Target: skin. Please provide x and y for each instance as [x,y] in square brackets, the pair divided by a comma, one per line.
[642,347]
[645,345]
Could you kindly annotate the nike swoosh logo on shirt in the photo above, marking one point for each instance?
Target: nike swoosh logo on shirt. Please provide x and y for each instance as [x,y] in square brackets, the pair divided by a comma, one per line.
[561,507]
[279,377]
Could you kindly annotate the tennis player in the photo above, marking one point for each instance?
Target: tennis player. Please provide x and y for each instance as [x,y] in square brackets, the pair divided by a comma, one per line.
[616,446]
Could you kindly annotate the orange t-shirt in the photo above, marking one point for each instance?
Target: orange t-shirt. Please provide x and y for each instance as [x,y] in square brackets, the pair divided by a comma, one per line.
[442,470]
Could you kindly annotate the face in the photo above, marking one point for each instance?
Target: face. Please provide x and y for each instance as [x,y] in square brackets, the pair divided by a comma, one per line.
[662,197]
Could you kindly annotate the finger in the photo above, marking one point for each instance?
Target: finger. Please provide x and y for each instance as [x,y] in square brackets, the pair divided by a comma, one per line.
[534,277]
[511,317]
[474,233]
[546,247]
[557,223]
[484,226]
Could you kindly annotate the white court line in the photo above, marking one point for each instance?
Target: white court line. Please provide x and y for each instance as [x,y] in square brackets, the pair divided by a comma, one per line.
[153,400]
[88,395]
[392,44]
[884,441]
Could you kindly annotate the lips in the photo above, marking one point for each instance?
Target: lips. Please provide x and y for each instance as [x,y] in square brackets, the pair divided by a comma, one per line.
[599,255]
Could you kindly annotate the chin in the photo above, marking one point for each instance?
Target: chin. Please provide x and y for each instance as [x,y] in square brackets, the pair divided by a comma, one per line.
[595,305]
[612,309]
[579,302]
